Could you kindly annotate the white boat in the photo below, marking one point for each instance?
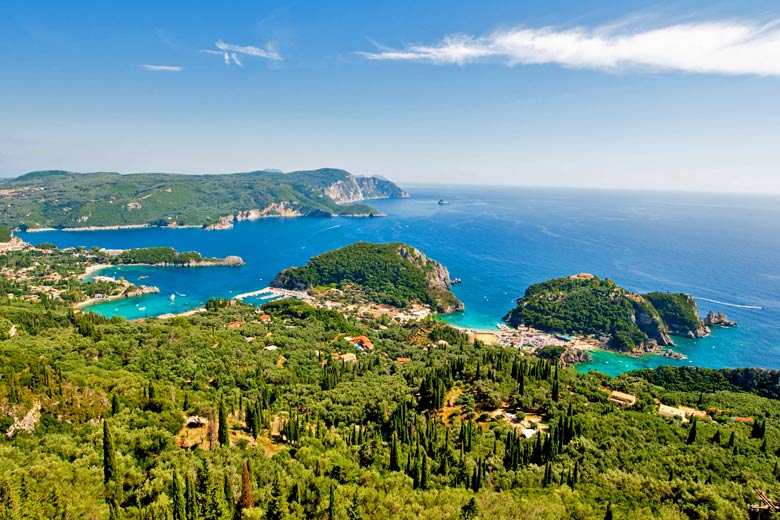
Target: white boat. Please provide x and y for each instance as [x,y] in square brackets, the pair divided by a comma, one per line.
[173,297]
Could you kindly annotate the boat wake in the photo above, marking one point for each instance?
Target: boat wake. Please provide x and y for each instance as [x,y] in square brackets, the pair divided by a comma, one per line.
[755,307]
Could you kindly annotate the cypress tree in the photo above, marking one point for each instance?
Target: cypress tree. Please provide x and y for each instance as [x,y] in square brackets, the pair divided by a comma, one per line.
[179,503]
[222,433]
[114,405]
[190,498]
[246,500]
[331,505]
[424,472]
[228,491]
[608,514]
[109,460]
[692,433]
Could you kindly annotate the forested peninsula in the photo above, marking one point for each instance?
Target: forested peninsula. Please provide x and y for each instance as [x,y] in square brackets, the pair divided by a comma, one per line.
[394,274]
[624,321]
[69,200]
[292,411]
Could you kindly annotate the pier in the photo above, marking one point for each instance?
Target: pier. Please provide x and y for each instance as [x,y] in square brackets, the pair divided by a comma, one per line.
[270,292]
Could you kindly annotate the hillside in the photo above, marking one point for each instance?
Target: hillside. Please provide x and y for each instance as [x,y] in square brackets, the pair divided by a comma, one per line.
[221,412]
[584,304]
[69,200]
[394,274]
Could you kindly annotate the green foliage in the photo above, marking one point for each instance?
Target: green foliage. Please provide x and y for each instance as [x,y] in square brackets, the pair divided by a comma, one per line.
[393,273]
[582,305]
[677,310]
[432,437]
[111,199]
[5,234]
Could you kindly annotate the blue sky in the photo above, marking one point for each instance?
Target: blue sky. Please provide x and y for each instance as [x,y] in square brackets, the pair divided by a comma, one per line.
[647,95]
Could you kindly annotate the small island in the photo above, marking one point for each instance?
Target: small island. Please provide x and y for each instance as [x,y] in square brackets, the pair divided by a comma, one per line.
[618,319]
[393,274]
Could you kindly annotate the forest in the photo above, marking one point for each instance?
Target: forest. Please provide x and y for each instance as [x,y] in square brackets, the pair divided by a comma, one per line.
[63,199]
[585,304]
[223,415]
[394,274]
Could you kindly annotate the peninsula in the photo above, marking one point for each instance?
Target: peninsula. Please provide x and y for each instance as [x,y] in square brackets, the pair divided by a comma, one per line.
[623,321]
[85,201]
[392,274]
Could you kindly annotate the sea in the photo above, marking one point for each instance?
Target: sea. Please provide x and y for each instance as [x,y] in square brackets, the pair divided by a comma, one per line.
[722,249]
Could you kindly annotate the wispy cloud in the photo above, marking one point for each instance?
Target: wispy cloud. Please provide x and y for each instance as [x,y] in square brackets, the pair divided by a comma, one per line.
[719,47]
[161,68]
[233,53]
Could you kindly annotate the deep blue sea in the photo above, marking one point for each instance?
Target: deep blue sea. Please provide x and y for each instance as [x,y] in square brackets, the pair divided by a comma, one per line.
[723,249]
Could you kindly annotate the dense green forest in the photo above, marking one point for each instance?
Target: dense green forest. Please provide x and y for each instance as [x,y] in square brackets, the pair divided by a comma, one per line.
[288,430]
[697,379]
[394,274]
[5,234]
[589,305]
[164,255]
[67,199]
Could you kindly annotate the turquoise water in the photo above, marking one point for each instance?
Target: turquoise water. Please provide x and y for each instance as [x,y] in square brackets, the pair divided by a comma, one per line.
[500,240]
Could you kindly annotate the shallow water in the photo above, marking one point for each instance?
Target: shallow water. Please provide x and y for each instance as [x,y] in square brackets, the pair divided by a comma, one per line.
[720,248]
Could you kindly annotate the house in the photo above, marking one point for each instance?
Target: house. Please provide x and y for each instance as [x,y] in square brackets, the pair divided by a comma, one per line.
[265,318]
[748,420]
[271,347]
[349,357]
[671,411]
[235,324]
[622,399]
[361,342]
[403,359]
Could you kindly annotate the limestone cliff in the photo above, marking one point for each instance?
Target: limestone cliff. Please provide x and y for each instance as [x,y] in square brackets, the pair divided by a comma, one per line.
[353,189]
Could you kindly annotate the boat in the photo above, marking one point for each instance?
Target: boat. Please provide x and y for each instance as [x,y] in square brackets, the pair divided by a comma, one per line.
[173,297]
[141,308]
[443,202]
[455,281]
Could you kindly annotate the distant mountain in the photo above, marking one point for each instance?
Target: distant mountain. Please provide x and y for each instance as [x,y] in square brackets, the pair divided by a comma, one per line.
[64,199]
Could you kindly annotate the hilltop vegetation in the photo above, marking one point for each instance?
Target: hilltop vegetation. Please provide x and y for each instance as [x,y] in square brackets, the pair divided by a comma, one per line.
[588,305]
[68,200]
[233,414]
[290,433]
[394,274]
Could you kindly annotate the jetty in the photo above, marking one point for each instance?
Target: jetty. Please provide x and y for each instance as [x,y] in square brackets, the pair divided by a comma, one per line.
[272,292]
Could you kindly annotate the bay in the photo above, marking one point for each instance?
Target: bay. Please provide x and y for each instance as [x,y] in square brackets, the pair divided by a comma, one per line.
[723,249]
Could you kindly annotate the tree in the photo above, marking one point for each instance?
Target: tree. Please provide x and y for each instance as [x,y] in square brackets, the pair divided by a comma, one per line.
[109,460]
[246,500]
[395,457]
[692,433]
[179,503]
[608,514]
[470,510]
[223,435]
[331,504]
[277,506]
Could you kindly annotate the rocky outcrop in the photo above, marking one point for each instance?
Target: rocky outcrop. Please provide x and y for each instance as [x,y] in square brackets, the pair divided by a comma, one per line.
[573,356]
[353,189]
[438,276]
[139,290]
[275,209]
[717,319]
[649,321]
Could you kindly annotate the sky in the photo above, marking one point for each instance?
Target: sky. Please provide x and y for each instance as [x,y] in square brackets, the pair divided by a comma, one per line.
[676,95]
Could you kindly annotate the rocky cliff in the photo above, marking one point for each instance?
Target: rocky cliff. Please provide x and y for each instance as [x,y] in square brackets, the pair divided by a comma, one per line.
[353,189]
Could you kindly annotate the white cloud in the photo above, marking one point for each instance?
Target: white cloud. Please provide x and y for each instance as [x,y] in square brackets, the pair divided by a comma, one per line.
[161,68]
[235,52]
[723,47]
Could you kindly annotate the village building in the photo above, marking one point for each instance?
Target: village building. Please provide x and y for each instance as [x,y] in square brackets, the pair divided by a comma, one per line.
[622,399]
